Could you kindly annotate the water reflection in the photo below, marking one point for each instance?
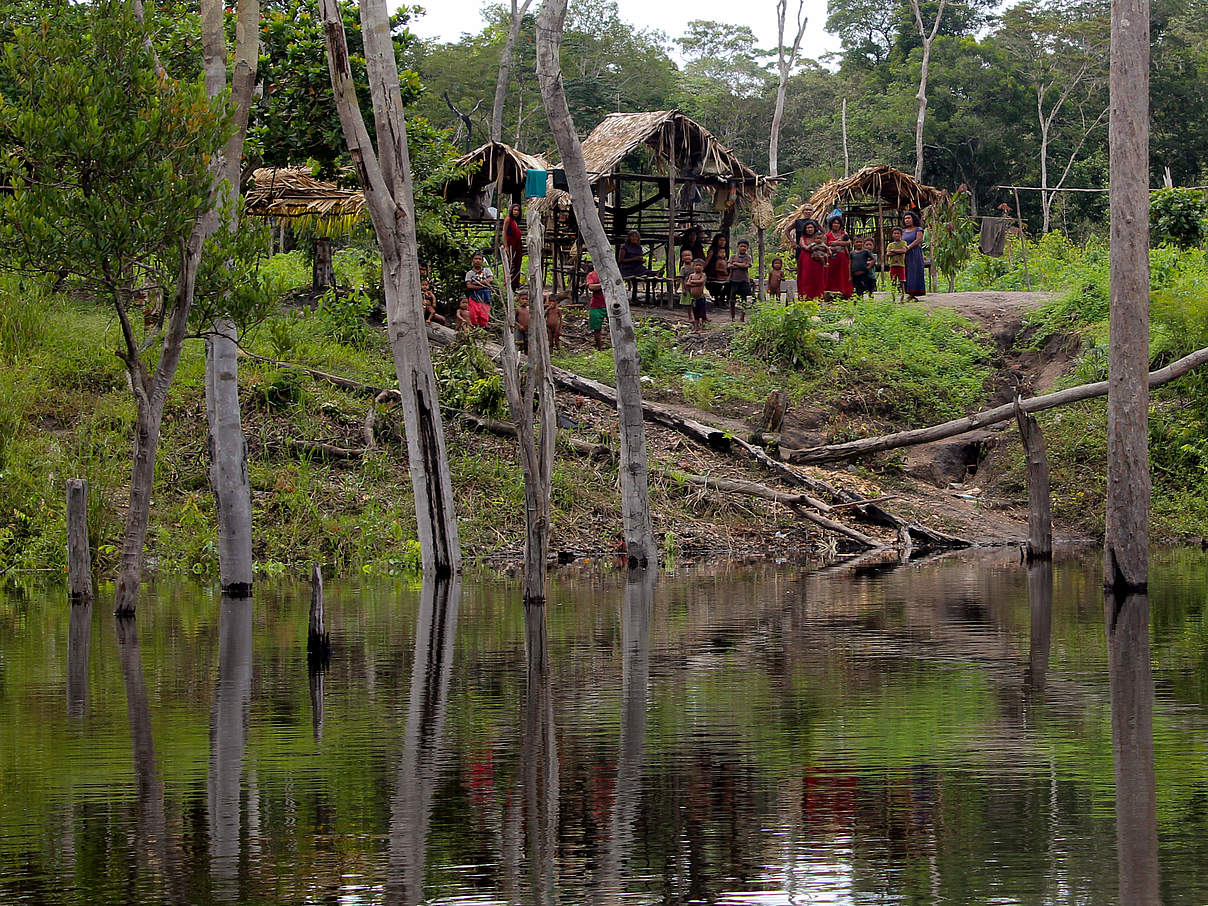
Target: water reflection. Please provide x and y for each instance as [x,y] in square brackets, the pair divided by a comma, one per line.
[1132,745]
[1040,623]
[422,759]
[153,844]
[635,680]
[539,762]
[79,641]
[228,739]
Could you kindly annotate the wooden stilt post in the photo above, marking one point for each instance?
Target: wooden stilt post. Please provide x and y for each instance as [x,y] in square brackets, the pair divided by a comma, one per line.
[672,263]
[762,275]
[1040,516]
[79,557]
[318,645]
[1023,243]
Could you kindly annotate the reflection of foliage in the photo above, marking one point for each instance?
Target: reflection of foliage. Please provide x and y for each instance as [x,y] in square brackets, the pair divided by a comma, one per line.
[950,232]
[1179,216]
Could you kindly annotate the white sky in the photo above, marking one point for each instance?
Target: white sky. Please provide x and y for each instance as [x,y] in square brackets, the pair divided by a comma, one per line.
[447,20]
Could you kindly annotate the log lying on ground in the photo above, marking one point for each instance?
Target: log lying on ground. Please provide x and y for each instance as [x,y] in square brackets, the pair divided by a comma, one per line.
[507,429]
[868,445]
[796,502]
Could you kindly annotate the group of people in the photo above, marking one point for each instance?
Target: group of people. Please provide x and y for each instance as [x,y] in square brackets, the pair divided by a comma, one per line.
[720,276]
[836,263]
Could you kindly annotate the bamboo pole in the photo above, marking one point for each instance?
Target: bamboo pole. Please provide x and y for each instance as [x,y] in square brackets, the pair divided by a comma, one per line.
[672,263]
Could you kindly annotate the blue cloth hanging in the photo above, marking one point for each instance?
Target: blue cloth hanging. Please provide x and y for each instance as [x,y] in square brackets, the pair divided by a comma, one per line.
[534,184]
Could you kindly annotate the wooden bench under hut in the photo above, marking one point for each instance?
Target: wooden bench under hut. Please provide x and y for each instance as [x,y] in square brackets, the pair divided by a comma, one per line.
[872,200]
[294,197]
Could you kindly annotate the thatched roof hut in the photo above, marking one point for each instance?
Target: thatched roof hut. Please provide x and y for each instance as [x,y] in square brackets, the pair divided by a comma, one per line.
[294,193]
[492,164]
[869,192]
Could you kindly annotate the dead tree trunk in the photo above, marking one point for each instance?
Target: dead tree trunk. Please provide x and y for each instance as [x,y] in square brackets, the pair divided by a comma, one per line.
[635,500]
[1040,514]
[79,555]
[927,38]
[536,464]
[1126,540]
[505,68]
[784,68]
[388,193]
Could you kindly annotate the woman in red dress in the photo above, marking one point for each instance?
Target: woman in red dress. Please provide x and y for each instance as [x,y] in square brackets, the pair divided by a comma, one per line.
[812,255]
[838,272]
[512,243]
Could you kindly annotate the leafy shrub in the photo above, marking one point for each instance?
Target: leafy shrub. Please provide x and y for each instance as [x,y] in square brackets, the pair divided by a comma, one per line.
[344,317]
[469,381]
[282,390]
[1178,216]
[781,334]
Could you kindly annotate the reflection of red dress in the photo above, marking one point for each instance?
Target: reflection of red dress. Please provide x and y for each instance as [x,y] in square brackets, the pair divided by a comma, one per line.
[838,272]
[811,276]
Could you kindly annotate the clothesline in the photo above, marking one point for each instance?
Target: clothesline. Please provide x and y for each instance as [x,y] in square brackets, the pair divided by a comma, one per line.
[1051,189]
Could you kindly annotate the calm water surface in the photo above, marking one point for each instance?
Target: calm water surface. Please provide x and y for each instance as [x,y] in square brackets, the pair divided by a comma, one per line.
[931,733]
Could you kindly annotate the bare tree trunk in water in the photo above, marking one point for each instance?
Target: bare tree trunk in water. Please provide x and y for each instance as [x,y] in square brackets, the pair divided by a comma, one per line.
[635,499]
[388,193]
[1132,747]
[228,447]
[505,68]
[1126,539]
[784,67]
[927,38]
[536,454]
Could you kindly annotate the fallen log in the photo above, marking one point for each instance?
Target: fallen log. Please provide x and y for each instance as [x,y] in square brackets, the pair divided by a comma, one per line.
[793,501]
[869,445]
[507,429]
[336,380]
[320,450]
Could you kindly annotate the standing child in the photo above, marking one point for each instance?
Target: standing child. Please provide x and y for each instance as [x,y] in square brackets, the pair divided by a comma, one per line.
[597,311]
[863,268]
[479,280]
[776,279]
[463,321]
[895,254]
[685,268]
[696,289]
[740,278]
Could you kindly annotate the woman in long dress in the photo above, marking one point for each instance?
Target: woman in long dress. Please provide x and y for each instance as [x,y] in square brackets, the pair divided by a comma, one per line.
[812,255]
[838,271]
[912,235]
[513,245]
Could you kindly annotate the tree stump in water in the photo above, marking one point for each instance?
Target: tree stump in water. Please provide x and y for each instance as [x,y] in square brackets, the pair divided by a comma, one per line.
[318,644]
[1040,515]
[79,556]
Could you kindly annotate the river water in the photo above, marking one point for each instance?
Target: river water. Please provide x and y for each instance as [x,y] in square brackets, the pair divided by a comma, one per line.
[939,732]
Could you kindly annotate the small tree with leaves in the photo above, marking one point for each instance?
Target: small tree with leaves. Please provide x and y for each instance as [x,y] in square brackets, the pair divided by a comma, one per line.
[951,231]
[106,164]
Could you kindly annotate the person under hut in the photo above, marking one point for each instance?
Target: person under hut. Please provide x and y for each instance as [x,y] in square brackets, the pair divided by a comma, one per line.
[513,244]
[631,258]
[717,268]
[838,269]
[812,257]
[692,241]
[916,271]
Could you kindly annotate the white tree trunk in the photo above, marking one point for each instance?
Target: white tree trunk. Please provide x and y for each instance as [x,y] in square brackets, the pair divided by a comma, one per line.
[1126,541]
[785,63]
[635,501]
[505,69]
[388,192]
[228,447]
[927,38]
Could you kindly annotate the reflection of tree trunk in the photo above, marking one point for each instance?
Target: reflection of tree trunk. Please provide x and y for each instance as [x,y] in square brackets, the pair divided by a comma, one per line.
[316,683]
[1040,597]
[635,677]
[1132,746]
[79,641]
[228,739]
[419,769]
[153,843]
[539,763]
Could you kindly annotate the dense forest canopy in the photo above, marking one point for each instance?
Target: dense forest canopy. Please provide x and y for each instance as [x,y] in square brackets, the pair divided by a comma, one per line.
[1004,84]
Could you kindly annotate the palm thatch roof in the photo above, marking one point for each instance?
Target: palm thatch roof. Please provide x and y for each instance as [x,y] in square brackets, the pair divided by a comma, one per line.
[495,163]
[293,192]
[673,137]
[880,185]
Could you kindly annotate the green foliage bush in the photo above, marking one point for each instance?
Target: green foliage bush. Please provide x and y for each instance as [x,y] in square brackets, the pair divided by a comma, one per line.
[1178,216]
[781,334]
[469,380]
[344,317]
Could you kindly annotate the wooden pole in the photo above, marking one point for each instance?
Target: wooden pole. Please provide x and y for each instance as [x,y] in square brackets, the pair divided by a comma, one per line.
[1023,243]
[79,557]
[846,160]
[1040,515]
[672,263]
[318,644]
[1126,535]
[762,275]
